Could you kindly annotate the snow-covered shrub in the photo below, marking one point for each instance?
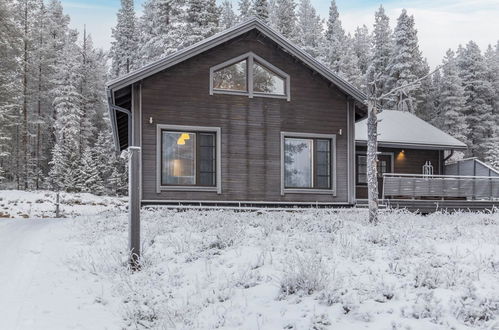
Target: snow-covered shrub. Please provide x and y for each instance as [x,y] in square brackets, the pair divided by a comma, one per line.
[473,309]
[304,274]
[320,322]
[426,306]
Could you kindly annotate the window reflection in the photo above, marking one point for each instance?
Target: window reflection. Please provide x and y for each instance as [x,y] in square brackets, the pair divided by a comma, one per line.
[233,77]
[298,163]
[266,81]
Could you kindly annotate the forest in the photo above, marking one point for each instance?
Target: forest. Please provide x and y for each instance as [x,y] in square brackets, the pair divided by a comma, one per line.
[54,125]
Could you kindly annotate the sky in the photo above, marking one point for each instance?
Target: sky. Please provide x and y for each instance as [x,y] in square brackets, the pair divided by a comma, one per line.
[441,24]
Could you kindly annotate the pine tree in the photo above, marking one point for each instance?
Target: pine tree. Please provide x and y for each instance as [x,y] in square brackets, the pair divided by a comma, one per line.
[308,34]
[68,107]
[406,64]
[261,9]
[227,16]
[89,178]
[10,92]
[362,46]
[335,38]
[349,67]
[452,99]
[382,50]
[124,46]
[479,95]
[285,17]
[203,20]
[161,26]
[245,9]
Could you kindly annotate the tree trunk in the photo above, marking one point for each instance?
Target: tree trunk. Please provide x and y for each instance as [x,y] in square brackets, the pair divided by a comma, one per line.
[25,132]
[372,158]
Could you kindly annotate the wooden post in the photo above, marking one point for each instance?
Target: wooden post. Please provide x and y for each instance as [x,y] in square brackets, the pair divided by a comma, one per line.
[134,207]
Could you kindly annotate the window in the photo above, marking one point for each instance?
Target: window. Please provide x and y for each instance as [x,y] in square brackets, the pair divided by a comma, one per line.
[250,75]
[188,158]
[307,162]
[266,81]
[385,161]
[232,77]
[361,169]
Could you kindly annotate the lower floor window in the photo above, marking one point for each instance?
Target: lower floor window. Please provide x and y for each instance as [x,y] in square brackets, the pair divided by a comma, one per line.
[307,163]
[188,158]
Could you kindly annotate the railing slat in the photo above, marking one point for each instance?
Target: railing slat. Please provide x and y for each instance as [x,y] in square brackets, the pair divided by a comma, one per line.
[444,186]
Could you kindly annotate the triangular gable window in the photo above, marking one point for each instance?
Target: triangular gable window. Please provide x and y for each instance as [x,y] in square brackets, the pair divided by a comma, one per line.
[233,77]
[250,75]
[267,82]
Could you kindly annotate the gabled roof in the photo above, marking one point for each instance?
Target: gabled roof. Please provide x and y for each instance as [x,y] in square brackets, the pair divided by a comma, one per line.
[228,34]
[403,129]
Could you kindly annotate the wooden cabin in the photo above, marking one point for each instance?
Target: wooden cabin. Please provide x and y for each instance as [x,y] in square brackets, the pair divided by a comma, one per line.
[241,118]
[246,118]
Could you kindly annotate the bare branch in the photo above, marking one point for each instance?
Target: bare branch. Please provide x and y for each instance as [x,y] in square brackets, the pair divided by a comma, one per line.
[411,84]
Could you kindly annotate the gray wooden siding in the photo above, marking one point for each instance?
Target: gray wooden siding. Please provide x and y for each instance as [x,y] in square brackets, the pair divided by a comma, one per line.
[250,127]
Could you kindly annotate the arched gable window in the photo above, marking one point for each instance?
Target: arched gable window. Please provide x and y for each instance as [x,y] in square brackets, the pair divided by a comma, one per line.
[250,75]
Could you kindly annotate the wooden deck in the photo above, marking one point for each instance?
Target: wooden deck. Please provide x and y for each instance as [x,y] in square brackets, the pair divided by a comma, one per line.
[430,206]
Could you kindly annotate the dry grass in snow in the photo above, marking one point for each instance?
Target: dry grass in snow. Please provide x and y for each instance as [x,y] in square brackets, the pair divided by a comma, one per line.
[313,269]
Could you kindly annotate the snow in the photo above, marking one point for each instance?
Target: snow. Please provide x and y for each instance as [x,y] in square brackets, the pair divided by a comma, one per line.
[308,269]
[401,128]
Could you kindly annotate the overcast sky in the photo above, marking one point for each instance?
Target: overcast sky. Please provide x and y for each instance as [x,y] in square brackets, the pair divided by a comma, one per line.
[441,24]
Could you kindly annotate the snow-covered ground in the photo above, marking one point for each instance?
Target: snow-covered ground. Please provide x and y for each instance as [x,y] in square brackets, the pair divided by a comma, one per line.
[314,269]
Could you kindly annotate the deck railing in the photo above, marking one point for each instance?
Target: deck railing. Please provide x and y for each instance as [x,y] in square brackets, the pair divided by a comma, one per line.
[440,186]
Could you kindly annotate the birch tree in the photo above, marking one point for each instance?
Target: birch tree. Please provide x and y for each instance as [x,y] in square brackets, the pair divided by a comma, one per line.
[373,109]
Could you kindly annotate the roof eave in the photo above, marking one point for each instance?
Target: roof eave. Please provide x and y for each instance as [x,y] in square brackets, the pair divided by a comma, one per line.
[408,145]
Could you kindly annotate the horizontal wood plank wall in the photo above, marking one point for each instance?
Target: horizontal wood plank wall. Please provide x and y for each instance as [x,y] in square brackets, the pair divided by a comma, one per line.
[250,127]
[411,163]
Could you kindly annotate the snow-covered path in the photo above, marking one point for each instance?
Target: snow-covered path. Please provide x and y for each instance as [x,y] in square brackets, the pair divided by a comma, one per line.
[37,288]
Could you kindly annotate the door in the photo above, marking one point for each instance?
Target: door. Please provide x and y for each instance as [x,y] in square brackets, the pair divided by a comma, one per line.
[384,166]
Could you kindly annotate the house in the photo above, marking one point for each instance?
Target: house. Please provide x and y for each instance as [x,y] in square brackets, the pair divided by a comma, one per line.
[245,118]
[406,145]
[241,118]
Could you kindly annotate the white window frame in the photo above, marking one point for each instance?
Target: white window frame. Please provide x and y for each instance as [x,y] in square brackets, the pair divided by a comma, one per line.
[332,190]
[250,58]
[218,132]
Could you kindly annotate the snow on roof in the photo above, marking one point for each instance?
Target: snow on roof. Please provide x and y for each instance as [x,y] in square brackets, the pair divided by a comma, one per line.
[403,129]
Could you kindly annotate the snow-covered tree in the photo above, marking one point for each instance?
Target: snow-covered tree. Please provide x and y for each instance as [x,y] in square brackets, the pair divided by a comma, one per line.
[362,45]
[123,50]
[382,50]
[285,17]
[335,38]
[406,63]
[89,178]
[452,99]
[10,41]
[261,9]
[349,68]
[479,94]
[161,27]
[203,20]
[308,34]
[227,16]
[245,9]
[68,107]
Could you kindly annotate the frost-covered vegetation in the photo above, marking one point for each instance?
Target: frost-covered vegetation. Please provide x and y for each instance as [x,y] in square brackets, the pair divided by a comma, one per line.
[304,269]
[313,269]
